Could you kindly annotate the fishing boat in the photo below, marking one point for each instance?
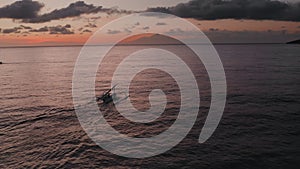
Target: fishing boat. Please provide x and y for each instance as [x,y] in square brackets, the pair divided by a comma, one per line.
[107,96]
[110,95]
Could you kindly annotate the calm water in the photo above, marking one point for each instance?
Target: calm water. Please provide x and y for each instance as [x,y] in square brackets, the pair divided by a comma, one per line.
[259,129]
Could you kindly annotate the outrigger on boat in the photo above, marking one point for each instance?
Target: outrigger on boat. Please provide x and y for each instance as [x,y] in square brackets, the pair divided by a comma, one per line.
[107,96]
[110,95]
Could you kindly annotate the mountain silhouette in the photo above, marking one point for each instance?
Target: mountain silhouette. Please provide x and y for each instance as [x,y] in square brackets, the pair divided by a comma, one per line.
[151,39]
[294,42]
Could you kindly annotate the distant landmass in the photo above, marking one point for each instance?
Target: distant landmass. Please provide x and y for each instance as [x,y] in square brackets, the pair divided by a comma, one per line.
[294,42]
[150,39]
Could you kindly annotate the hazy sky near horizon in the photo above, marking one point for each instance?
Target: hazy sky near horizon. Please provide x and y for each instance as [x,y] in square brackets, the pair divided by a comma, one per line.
[75,24]
[122,4]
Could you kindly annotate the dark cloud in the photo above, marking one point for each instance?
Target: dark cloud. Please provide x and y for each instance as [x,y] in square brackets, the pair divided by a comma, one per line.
[15,29]
[115,11]
[55,29]
[234,9]
[27,11]
[60,30]
[25,27]
[73,10]
[43,29]
[160,9]
[21,10]
[11,30]
[21,27]
[68,26]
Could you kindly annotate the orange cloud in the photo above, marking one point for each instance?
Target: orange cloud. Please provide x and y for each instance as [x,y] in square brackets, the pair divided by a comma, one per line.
[43,40]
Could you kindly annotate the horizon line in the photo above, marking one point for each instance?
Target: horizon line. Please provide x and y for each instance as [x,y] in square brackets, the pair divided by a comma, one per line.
[41,46]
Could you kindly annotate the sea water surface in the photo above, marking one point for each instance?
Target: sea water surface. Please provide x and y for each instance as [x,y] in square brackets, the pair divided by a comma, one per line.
[259,129]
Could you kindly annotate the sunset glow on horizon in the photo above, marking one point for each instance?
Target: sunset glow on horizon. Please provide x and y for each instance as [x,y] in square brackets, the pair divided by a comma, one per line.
[49,29]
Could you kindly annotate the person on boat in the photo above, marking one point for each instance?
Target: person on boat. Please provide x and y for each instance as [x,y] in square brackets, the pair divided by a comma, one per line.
[106,98]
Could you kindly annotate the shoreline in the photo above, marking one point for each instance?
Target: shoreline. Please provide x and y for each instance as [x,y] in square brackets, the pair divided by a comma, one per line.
[6,47]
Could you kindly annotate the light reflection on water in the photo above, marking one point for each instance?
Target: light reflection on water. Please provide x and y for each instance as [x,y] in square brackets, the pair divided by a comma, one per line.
[38,126]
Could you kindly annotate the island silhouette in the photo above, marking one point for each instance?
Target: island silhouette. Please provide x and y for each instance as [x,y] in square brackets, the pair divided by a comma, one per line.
[294,42]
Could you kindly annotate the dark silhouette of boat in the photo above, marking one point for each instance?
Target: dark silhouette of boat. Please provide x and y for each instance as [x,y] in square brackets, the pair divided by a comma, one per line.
[107,96]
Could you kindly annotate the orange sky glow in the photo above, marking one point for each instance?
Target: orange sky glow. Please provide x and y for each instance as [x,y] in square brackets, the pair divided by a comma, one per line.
[44,39]
[83,26]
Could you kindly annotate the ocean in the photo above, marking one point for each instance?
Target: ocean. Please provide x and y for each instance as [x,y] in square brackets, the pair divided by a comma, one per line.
[259,128]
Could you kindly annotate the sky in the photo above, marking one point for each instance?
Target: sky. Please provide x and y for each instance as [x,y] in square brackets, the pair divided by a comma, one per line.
[123,4]
[71,22]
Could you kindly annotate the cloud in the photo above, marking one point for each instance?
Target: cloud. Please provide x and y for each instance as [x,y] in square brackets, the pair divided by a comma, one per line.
[15,29]
[177,31]
[21,9]
[43,29]
[68,26]
[73,10]
[90,25]
[161,24]
[28,11]
[146,28]
[55,29]
[11,30]
[95,18]
[234,9]
[60,30]
[25,27]
[86,31]
[112,32]
[157,12]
